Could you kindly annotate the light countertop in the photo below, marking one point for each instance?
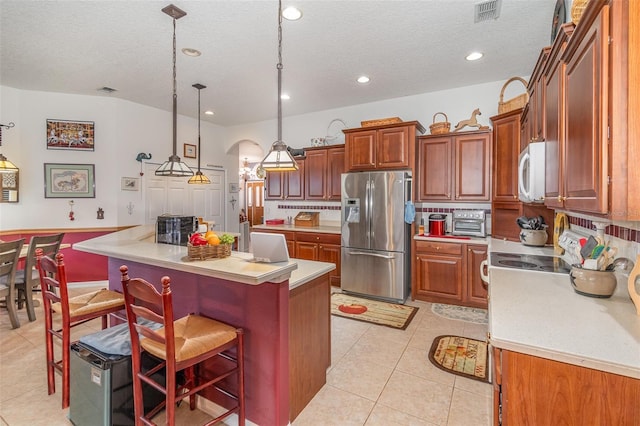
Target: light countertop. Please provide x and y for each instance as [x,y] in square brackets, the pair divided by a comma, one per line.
[136,244]
[539,313]
[453,239]
[323,229]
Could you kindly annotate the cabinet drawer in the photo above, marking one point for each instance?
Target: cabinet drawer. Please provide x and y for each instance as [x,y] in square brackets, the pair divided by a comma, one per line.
[314,237]
[437,247]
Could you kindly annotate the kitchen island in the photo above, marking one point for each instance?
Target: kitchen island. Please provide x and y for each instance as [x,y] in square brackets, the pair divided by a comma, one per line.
[560,357]
[284,309]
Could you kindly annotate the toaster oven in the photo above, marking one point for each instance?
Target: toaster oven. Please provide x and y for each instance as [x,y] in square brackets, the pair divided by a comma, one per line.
[469,222]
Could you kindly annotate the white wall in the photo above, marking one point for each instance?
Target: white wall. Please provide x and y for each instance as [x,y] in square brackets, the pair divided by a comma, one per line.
[122,130]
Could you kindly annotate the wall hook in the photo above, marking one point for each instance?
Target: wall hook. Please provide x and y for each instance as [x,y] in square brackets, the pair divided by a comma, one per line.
[130,207]
[100,213]
[142,156]
[71,215]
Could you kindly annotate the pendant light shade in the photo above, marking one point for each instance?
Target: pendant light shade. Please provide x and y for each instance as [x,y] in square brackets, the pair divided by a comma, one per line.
[279,158]
[6,166]
[199,177]
[173,166]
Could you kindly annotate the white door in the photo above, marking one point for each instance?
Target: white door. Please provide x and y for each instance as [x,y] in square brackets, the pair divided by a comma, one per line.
[175,196]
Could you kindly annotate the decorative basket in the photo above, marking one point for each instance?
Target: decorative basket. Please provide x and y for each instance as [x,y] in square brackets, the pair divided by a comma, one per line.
[441,126]
[381,122]
[577,9]
[514,103]
[208,252]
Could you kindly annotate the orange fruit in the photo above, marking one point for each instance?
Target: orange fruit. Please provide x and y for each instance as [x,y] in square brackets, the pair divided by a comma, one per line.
[209,234]
[213,240]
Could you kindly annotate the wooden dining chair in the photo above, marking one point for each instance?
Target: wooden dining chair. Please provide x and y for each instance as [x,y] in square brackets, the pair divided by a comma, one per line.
[9,255]
[181,345]
[74,311]
[27,279]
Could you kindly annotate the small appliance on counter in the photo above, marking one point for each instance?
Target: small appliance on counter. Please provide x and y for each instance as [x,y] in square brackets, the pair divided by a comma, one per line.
[437,224]
[469,222]
[307,219]
[174,229]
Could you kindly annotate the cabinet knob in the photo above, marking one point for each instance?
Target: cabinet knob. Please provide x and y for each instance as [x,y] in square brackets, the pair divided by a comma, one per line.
[437,247]
[317,238]
[561,198]
[515,197]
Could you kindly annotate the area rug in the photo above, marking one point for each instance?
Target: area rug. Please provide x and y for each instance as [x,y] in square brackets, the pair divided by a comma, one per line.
[460,355]
[460,313]
[373,311]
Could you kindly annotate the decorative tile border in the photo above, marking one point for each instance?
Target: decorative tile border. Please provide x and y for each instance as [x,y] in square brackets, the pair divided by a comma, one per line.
[307,207]
[617,231]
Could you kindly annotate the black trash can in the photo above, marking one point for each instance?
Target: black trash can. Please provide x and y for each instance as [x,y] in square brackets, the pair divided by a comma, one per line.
[101,385]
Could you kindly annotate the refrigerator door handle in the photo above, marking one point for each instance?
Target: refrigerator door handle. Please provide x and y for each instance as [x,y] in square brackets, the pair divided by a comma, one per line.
[365,253]
[368,210]
[372,191]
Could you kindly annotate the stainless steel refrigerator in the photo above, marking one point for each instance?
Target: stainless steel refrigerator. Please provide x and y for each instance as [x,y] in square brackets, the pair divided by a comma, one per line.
[375,237]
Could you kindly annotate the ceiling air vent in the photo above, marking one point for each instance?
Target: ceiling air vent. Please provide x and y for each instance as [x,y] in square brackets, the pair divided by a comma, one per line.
[106,89]
[487,10]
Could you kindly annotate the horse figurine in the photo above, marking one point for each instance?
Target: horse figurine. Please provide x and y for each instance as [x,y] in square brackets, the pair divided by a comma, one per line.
[472,122]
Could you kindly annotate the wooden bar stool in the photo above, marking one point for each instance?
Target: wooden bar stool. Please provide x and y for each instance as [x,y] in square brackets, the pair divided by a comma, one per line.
[181,345]
[74,311]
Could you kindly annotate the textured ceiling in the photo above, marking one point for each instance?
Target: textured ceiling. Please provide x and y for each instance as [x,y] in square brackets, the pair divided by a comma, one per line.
[406,47]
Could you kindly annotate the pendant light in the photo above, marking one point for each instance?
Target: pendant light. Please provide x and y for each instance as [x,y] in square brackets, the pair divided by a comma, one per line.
[279,158]
[199,177]
[6,166]
[173,167]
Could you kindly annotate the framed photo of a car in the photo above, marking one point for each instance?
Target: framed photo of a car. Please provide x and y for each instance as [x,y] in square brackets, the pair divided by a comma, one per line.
[71,135]
[69,180]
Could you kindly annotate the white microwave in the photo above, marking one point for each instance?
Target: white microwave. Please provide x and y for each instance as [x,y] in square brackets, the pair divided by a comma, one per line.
[531,173]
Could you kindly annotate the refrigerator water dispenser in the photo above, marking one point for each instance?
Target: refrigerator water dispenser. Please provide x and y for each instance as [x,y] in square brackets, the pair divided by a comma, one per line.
[352,210]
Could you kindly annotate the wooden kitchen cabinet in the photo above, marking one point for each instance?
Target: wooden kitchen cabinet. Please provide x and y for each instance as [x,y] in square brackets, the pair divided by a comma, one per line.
[286,185]
[323,169]
[536,120]
[449,273]
[385,147]
[476,291]
[454,167]
[547,392]
[554,80]
[322,247]
[586,112]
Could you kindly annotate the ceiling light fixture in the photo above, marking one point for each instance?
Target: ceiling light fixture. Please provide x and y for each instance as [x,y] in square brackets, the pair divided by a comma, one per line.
[279,158]
[174,167]
[285,97]
[292,13]
[6,166]
[209,112]
[363,79]
[474,56]
[191,52]
[199,177]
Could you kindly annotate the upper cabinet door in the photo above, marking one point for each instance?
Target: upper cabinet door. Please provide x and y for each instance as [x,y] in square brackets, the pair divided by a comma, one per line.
[586,109]
[315,178]
[361,150]
[435,168]
[294,188]
[335,168]
[392,148]
[472,161]
[506,149]
[274,186]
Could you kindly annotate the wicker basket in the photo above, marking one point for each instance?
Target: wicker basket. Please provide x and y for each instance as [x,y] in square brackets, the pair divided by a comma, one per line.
[208,252]
[381,122]
[514,103]
[577,9]
[441,126]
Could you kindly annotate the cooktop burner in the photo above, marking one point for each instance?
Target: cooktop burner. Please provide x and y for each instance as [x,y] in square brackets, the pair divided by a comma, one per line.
[532,262]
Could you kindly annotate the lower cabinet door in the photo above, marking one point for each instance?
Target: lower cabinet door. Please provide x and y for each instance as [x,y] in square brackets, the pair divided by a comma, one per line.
[439,278]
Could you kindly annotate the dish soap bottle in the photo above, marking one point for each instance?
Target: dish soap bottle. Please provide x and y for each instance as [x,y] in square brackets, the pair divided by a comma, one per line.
[421,227]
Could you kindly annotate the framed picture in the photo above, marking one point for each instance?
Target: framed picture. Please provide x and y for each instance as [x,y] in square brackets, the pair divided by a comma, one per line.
[130,184]
[73,135]
[69,180]
[190,151]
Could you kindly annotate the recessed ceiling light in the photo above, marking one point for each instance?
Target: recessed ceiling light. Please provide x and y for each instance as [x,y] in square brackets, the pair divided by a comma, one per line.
[191,52]
[474,56]
[363,79]
[285,97]
[292,13]
[208,112]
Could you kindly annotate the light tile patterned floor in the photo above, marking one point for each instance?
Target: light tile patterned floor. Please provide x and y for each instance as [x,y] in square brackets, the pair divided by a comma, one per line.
[379,376]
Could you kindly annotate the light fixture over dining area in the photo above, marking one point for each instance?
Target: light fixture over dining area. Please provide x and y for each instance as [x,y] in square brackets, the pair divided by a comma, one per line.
[279,158]
[174,167]
[6,166]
